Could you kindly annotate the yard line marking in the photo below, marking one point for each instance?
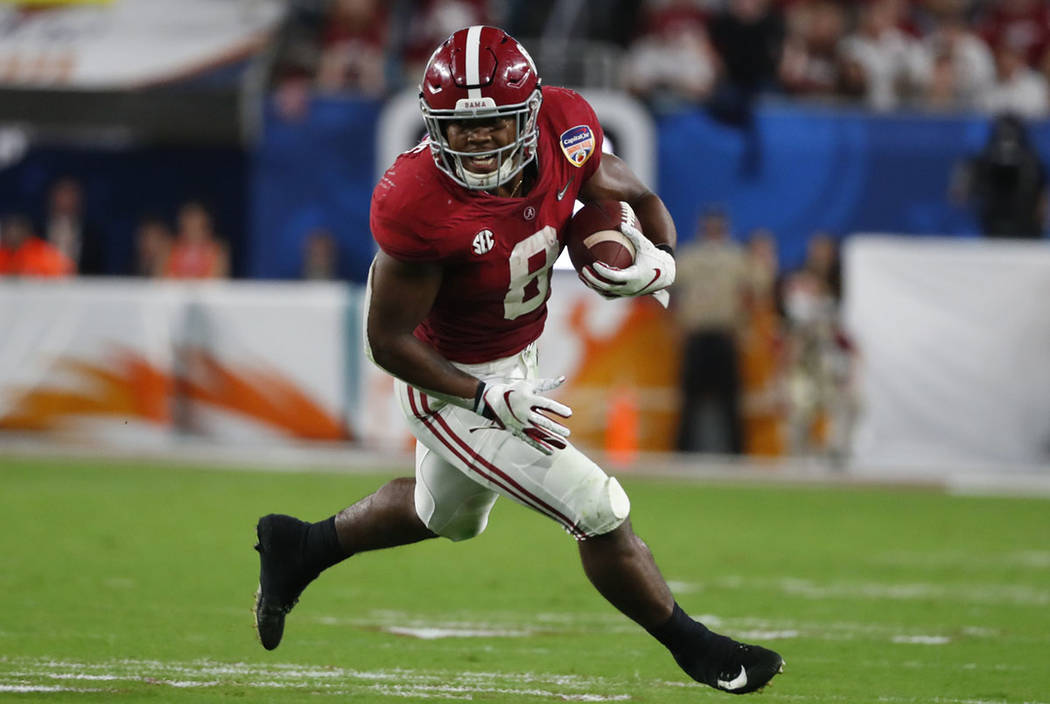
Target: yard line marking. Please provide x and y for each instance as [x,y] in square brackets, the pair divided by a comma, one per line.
[922,640]
[393,682]
[1017,595]
[770,694]
[27,688]
[434,632]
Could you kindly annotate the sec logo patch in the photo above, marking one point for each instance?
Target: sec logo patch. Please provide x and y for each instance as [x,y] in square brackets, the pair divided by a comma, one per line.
[577,143]
[483,242]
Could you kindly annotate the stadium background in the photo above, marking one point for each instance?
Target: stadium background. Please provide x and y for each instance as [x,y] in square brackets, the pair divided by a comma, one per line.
[931,369]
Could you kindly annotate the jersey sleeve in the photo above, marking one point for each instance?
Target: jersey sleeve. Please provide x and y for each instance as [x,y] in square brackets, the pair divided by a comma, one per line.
[580,135]
[589,117]
[400,241]
[396,225]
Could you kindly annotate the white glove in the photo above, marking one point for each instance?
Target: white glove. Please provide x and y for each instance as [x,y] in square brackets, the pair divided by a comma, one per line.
[653,270]
[516,406]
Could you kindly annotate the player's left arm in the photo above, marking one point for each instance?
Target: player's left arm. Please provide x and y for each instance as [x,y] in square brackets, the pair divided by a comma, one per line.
[654,267]
[614,180]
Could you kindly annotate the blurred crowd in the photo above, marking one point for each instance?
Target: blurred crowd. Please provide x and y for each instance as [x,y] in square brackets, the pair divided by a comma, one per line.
[767,368]
[64,242]
[976,55]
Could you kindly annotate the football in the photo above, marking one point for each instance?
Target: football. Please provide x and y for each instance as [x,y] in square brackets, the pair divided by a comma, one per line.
[594,235]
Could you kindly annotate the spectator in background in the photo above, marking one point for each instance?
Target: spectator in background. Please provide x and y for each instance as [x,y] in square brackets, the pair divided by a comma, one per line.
[962,68]
[1006,183]
[296,56]
[22,253]
[429,24]
[673,64]
[353,42]
[66,229]
[1023,25]
[881,64]
[320,255]
[612,21]
[762,402]
[708,307]
[197,252]
[818,355]
[748,36]
[1017,88]
[153,241]
[811,60]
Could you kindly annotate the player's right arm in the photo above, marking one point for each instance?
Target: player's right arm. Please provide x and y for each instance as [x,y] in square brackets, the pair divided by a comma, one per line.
[401,295]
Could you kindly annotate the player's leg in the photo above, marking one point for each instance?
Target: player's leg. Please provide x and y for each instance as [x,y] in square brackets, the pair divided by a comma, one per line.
[571,489]
[292,553]
[622,569]
[385,519]
[440,500]
[448,502]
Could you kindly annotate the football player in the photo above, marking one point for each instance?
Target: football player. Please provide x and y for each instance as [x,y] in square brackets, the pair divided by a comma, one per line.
[469,224]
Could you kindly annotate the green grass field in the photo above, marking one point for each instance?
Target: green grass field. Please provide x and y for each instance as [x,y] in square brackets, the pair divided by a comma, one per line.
[124,583]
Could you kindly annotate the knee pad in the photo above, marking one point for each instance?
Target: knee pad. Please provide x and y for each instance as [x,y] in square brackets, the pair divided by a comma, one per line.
[606,510]
[467,519]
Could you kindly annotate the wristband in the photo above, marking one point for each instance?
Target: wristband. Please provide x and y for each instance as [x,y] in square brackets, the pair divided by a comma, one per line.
[479,394]
[667,248]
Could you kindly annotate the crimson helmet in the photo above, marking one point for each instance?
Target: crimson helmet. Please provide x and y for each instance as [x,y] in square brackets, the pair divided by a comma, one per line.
[481,72]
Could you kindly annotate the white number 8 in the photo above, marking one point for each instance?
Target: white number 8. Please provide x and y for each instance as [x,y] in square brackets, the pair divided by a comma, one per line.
[529,281]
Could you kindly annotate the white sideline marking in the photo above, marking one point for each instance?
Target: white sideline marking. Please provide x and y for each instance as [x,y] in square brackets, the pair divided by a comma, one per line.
[1034,559]
[979,594]
[922,640]
[509,625]
[680,587]
[766,635]
[333,681]
[24,688]
[434,632]
[852,700]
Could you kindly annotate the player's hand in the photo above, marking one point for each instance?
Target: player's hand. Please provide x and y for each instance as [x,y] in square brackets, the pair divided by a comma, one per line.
[653,270]
[519,406]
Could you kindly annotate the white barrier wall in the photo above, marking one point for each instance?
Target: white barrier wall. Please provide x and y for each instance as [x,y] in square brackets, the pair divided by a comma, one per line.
[130,362]
[954,351]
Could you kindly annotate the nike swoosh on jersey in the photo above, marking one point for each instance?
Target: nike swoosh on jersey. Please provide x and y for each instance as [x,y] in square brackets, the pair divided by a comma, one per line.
[736,683]
[565,188]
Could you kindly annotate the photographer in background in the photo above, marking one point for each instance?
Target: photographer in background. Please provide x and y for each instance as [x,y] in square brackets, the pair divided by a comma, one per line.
[1005,182]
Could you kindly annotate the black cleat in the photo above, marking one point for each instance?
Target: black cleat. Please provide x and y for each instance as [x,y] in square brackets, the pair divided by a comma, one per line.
[283,574]
[737,668]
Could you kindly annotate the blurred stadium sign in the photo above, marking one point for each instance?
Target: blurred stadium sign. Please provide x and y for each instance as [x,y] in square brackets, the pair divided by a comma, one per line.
[53,3]
[14,142]
[127,43]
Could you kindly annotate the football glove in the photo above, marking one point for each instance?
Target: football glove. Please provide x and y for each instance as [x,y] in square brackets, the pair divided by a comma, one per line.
[653,270]
[518,406]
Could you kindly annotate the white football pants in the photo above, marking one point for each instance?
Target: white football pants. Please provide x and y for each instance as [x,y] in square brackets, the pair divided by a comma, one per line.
[464,463]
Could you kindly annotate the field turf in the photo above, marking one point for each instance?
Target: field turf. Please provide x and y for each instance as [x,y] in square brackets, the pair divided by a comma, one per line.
[125,583]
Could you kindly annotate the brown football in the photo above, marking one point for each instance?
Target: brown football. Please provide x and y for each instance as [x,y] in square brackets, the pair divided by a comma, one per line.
[594,235]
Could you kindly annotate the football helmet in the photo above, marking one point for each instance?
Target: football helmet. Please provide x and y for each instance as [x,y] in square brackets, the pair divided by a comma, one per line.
[481,72]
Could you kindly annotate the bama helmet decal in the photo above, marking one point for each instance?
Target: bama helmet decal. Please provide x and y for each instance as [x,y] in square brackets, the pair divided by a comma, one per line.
[577,143]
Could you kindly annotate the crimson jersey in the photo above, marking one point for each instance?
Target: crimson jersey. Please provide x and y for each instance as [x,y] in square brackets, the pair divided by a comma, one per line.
[496,253]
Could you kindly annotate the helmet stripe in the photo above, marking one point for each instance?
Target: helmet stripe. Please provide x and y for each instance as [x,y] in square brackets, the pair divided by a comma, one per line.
[473,70]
